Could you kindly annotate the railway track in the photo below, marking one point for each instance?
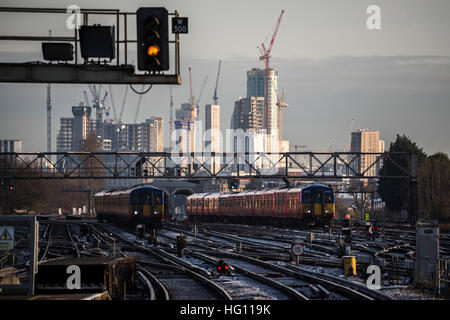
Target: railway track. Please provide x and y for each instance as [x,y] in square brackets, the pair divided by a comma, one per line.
[306,283]
[58,241]
[180,281]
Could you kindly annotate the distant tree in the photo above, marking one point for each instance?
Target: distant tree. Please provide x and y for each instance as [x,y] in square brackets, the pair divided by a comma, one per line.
[396,192]
[341,208]
[366,195]
[434,187]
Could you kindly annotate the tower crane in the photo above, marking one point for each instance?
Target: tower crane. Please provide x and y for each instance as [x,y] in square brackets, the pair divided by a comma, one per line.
[192,102]
[200,96]
[281,104]
[112,102]
[123,105]
[265,56]
[139,105]
[86,99]
[215,97]
[102,104]
[96,102]
[350,129]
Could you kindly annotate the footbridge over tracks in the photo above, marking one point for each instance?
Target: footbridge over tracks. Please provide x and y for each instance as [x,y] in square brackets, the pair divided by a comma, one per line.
[131,165]
[163,169]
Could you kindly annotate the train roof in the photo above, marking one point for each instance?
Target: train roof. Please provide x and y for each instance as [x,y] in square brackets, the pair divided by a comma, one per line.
[215,194]
[259,192]
[311,186]
[123,191]
[198,195]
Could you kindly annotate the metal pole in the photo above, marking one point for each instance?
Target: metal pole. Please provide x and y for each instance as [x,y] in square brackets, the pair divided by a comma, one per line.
[126,37]
[89,200]
[118,36]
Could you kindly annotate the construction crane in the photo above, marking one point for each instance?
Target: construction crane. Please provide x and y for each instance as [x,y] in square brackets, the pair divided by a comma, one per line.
[215,97]
[329,145]
[112,102]
[192,102]
[281,104]
[96,102]
[139,105]
[350,129]
[102,104]
[123,104]
[200,96]
[296,147]
[86,99]
[265,56]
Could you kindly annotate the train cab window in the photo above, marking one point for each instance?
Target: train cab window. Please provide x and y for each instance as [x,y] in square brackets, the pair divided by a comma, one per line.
[328,196]
[147,198]
[306,196]
[317,196]
[135,199]
[158,199]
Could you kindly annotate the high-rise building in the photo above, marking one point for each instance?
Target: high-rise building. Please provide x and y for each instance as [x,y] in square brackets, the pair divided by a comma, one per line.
[81,125]
[365,141]
[184,113]
[213,135]
[212,127]
[248,114]
[65,135]
[11,146]
[74,131]
[156,134]
[256,88]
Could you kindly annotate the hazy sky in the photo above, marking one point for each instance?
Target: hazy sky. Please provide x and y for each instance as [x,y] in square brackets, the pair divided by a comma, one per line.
[396,79]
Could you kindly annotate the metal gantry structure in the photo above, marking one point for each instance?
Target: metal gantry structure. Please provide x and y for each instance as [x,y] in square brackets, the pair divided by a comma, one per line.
[125,165]
[120,72]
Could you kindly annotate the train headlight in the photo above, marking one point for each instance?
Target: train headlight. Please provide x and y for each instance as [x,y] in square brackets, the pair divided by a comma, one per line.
[308,211]
[326,211]
[136,212]
[156,212]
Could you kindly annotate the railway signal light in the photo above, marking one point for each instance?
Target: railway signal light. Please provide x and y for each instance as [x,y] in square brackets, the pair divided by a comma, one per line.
[222,267]
[152,39]
[234,184]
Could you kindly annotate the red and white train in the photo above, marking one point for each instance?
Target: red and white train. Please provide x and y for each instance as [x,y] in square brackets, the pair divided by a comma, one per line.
[287,206]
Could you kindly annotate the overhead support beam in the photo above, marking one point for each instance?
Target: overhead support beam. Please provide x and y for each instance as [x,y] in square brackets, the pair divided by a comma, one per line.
[70,73]
[291,166]
[92,69]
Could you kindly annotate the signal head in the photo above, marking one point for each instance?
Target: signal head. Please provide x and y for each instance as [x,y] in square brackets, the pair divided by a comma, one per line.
[152,39]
